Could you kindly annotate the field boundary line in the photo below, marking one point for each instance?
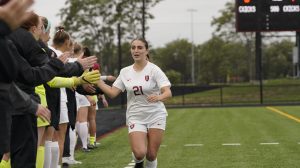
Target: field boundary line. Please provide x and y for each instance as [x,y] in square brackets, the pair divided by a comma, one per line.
[231,144]
[192,145]
[269,143]
[283,114]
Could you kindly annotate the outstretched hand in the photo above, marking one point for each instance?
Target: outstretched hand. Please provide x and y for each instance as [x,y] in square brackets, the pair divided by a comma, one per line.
[64,57]
[87,62]
[14,12]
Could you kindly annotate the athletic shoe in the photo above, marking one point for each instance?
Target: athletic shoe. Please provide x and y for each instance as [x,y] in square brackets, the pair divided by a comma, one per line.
[73,162]
[70,161]
[139,165]
[85,150]
[91,146]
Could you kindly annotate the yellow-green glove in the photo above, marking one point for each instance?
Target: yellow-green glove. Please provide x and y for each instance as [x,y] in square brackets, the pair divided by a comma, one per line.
[90,77]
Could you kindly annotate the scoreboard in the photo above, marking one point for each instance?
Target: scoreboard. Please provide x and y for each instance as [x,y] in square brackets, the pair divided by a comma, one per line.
[267,15]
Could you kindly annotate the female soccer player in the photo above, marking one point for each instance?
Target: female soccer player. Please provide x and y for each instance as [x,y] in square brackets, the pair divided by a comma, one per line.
[147,86]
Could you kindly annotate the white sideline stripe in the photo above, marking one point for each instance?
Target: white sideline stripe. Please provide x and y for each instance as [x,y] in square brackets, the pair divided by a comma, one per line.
[130,165]
[163,145]
[299,143]
[231,144]
[190,145]
[270,143]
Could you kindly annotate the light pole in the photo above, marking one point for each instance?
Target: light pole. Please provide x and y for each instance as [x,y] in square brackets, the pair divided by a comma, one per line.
[192,40]
[143,19]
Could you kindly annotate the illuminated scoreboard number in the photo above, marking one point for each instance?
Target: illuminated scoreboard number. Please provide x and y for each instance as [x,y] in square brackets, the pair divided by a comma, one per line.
[247,15]
[282,15]
[274,8]
[268,15]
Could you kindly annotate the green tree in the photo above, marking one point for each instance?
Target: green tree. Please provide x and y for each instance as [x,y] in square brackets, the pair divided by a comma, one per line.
[220,60]
[277,60]
[175,56]
[174,76]
[225,29]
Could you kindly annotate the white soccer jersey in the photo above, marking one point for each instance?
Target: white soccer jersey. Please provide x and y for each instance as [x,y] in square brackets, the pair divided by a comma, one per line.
[139,85]
[72,60]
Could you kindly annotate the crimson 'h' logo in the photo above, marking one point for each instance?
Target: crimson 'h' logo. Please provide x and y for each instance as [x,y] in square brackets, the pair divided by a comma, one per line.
[147,77]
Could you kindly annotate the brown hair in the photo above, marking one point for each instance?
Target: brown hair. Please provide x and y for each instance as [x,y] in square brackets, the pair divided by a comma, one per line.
[72,42]
[33,20]
[61,36]
[77,48]
[145,43]
[86,52]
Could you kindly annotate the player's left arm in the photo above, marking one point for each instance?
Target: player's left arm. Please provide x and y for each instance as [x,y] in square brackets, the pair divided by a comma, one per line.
[165,94]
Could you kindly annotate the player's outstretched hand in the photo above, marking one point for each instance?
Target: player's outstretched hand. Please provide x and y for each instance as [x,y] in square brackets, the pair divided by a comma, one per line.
[14,13]
[87,62]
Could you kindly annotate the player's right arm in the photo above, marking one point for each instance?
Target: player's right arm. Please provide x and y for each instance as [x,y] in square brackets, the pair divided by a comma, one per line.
[110,91]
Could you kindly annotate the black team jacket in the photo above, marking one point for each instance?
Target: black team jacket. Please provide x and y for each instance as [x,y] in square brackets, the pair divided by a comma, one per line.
[11,98]
[35,68]
[36,57]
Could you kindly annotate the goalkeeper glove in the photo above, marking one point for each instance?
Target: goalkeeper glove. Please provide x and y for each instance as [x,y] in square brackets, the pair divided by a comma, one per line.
[88,77]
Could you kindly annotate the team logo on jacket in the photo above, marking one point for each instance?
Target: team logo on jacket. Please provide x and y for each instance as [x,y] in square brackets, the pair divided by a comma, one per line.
[131,126]
[147,78]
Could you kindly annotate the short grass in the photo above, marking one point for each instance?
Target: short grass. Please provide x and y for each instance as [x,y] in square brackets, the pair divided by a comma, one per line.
[247,94]
[213,127]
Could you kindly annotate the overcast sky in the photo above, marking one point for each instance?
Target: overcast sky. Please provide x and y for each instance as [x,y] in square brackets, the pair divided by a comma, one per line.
[172,19]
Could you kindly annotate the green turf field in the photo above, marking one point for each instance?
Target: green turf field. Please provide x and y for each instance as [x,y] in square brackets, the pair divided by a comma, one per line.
[250,137]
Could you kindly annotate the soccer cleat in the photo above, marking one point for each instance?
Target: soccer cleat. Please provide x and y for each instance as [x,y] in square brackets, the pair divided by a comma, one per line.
[70,161]
[91,146]
[76,162]
[85,150]
[139,165]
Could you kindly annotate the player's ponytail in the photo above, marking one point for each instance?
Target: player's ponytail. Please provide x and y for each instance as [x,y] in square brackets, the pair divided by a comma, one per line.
[60,36]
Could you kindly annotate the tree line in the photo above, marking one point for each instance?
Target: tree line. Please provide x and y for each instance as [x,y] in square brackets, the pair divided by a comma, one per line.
[227,57]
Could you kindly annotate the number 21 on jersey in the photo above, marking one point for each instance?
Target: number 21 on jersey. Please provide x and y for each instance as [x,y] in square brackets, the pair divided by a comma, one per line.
[138,90]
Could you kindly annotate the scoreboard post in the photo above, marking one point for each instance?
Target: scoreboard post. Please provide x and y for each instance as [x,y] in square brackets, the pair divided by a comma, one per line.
[267,15]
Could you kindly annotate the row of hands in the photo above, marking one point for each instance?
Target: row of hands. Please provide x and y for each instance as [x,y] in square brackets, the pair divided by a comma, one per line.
[14,13]
[87,80]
